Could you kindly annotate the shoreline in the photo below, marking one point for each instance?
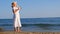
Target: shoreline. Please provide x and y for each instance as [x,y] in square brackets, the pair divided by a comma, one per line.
[12,32]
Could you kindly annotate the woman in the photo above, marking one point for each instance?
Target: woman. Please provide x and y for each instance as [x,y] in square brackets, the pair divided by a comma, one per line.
[17,23]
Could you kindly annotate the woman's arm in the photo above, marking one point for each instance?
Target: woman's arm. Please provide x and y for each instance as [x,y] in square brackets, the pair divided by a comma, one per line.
[19,8]
[15,10]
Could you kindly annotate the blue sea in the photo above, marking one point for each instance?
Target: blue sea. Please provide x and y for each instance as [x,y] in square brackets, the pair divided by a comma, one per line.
[33,24]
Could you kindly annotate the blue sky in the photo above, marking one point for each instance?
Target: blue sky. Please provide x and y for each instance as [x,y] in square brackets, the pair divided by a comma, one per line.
[31,8]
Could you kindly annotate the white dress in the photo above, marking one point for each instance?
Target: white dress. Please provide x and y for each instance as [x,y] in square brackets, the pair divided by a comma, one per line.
[17,22]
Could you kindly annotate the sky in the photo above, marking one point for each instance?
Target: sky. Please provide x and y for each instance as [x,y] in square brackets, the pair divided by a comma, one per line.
[31,8]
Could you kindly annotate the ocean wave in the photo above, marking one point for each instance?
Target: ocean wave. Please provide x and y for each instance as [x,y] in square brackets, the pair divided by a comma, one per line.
[32,24]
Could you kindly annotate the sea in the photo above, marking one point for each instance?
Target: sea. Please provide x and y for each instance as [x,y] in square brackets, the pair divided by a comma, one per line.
[33,24]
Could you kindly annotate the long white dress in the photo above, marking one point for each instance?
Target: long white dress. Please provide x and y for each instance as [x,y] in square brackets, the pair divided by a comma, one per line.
[17,22]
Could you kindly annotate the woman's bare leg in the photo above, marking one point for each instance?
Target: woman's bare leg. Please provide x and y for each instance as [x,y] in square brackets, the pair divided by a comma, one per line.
[19,29]
[16,29]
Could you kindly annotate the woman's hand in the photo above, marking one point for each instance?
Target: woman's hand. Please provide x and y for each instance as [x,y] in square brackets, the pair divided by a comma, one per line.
[19,8]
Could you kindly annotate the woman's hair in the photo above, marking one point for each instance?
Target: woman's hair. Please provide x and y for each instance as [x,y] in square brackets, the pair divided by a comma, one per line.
[12,4]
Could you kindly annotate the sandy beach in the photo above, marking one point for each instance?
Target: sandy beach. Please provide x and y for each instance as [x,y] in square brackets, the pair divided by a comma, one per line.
[11,32]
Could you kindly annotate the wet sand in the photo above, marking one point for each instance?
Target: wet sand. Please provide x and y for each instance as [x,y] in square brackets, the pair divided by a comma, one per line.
[11,32]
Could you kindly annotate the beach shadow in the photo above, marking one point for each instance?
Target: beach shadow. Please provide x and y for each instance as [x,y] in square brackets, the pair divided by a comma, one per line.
[1,29]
